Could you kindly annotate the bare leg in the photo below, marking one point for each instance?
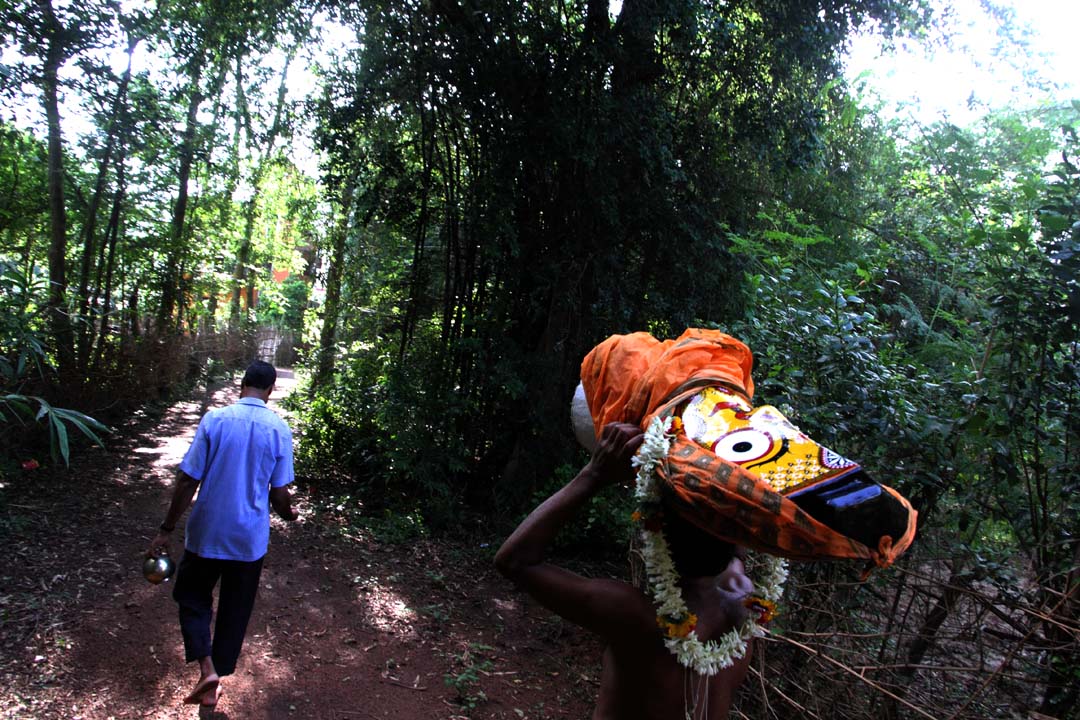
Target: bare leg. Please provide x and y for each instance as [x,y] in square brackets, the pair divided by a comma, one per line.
[207,685]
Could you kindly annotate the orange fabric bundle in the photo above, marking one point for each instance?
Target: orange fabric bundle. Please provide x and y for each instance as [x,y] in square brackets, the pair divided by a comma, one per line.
[627,376]
[633,378]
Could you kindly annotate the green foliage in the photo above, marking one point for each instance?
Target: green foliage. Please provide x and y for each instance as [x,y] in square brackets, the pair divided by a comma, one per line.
[514,182]
[387,445]
[22,355]
[22,348]
[284,304]
[397,528]
[465,675]
[56,419]
[495,236]
[23,172]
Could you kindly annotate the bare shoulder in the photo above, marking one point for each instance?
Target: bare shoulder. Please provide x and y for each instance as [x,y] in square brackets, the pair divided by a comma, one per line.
[635,609]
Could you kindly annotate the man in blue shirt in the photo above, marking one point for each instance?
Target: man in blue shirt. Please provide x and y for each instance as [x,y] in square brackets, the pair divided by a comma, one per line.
[240,462]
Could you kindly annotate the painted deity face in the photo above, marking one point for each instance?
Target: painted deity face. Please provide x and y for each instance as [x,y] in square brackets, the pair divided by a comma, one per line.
[760,440]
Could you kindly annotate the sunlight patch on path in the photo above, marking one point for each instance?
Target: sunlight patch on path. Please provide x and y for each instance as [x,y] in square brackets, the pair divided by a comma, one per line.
[179,423]
[183,417]
[386,610]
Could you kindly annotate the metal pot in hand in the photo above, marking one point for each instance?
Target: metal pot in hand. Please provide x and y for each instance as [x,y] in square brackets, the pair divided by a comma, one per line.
[158,569]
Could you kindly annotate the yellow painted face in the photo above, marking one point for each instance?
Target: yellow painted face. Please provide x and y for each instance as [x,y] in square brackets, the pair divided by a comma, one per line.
[760,440]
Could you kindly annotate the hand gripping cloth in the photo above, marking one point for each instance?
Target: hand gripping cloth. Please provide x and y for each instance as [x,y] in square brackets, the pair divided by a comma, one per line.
[745,475]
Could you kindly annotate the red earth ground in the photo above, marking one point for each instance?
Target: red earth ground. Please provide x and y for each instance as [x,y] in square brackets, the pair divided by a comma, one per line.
[345,627]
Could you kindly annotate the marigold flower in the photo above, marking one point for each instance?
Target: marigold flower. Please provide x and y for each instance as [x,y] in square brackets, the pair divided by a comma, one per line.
[766,609]
[677,629]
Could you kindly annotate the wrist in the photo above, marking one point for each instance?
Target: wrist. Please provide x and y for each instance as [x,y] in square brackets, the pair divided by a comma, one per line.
[590,477]
[166,528]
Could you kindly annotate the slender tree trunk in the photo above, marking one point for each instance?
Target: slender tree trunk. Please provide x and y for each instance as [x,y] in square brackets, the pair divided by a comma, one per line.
[96,329]
[211,312]
[242,252]
[86,331]
[133,312]
[416,280]
[244,255]
[336,262]
[597,20]
[242,273]
[111,235]
[169,286]
[60,322]
[183,306]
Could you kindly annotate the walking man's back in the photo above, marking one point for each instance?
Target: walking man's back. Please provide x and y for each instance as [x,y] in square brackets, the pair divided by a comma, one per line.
[241,464]
[238,452]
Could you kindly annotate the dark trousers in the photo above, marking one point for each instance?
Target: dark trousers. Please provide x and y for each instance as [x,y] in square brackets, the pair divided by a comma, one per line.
[194,593]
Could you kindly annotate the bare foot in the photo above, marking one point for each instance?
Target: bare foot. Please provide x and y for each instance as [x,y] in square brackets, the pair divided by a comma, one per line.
[209,703]
[207,684]
[210,697]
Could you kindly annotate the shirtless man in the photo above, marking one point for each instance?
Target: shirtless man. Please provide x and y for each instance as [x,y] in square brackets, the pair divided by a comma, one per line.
[640,679]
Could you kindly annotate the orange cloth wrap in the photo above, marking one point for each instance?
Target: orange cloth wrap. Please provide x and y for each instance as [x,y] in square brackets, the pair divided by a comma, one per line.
[633,378]
[626,377]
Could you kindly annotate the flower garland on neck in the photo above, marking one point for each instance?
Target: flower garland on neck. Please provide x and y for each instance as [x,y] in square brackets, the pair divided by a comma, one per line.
[672,615]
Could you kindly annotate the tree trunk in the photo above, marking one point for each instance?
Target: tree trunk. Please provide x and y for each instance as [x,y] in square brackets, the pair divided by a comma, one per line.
[86,331]
[597,20]
[244,251]
[336,262]
[111,235]
[169,287]
[244,254]
[135,327]
[637,65]
[63,336]
[416,276]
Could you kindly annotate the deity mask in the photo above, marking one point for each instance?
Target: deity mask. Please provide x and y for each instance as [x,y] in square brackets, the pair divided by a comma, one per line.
[745,476]
[831,488]
[759,439]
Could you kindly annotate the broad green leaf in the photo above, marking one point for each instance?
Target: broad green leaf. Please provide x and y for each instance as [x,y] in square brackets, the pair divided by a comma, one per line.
[60,437]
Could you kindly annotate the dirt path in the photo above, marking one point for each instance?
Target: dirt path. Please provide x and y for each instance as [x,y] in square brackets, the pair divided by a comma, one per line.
[344,627]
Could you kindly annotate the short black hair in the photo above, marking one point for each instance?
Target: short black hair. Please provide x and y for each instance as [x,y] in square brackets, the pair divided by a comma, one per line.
[695,552]
[259,374]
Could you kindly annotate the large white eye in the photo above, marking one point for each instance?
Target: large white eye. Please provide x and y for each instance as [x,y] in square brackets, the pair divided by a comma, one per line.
[743,446]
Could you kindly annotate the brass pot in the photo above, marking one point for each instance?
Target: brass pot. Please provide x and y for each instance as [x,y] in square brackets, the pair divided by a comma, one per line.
[158,569]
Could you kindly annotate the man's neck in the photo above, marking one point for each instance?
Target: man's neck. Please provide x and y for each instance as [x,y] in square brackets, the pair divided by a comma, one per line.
[251,392]
[697,587]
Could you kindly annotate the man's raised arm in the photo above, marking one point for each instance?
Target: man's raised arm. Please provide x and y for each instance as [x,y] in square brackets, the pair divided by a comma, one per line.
[604,606]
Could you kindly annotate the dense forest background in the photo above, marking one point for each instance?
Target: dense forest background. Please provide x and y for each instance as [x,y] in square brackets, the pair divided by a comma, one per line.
[501,185]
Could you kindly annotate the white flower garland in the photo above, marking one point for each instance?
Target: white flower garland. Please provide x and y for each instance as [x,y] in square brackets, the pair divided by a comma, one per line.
[709,657]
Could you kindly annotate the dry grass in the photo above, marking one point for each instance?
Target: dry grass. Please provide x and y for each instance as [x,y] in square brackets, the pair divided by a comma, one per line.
[931,638]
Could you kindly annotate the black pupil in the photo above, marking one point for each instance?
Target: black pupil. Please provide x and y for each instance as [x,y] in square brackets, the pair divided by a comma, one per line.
[743,446]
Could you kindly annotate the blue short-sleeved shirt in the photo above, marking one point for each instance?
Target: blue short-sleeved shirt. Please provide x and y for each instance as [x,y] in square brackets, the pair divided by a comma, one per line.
[238,454]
